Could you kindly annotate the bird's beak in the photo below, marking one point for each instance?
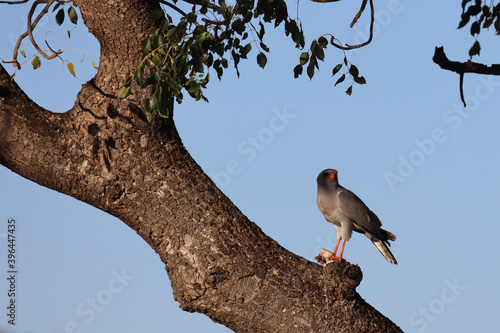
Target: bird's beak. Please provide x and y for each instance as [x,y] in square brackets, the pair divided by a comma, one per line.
[332,176]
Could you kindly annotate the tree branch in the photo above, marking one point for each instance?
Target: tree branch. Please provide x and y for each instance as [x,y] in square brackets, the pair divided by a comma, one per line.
[30,28]
[14,2]
[461,68]
[105,153]
[355,19]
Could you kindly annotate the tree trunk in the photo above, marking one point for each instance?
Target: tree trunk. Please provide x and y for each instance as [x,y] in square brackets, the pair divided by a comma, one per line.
[105,153]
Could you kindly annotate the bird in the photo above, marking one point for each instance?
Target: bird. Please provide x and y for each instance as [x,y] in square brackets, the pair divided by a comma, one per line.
[347,212]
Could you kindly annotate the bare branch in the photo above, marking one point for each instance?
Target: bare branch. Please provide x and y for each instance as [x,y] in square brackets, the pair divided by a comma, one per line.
[372,20]
[14,2]
[174,7]
[31,27]
[358,15]
[461,68]
[202,3]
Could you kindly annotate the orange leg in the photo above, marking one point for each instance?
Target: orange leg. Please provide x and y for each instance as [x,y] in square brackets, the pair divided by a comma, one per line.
[342,250]
[334,256]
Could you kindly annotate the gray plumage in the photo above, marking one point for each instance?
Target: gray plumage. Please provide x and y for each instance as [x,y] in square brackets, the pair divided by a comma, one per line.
[347,212]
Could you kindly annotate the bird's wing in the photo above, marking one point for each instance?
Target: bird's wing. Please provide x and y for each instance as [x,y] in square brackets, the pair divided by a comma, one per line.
[356,210]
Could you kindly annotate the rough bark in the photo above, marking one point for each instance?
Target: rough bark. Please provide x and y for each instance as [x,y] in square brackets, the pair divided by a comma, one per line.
[105,153]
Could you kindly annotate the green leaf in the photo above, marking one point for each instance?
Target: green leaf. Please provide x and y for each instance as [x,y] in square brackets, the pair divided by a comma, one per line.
[36,62]
[152,103]
[310,70]
[261,59]
[238,26]
[73,16]
[170,32]
[156,14]
[323,42]
[342,78]
[123,92]
[360,80]
[22,53]
[304,58]
[164,25]
[353,70]
[71,68]
[60,17]
[336,69]
[246,49]
[317,50]
[150,116]
[138,77]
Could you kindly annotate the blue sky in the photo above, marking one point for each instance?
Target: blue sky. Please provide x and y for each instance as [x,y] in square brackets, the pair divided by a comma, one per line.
[403,143]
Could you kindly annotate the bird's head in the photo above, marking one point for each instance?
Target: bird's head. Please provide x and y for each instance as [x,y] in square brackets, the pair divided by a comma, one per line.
[328,177]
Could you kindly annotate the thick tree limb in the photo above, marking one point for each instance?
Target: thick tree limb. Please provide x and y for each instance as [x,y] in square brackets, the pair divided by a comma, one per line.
[105,153]
[461,68]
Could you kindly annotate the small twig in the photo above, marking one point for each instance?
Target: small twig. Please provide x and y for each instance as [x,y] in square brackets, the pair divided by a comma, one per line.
[461,68]
[31,27]
[174,7]
[372,20]
[202,3]
[217,23]
[358,15]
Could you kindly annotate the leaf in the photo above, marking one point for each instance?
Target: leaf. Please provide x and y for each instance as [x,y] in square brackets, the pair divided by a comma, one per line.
[297,71]
[304,58]
[360,80]
[475,28]
[475,49]
[36,62]
[22,53]
[152,103]
[487,22]
[463,22]
[310,70]
[342,78]
[246,49]
[323,41]
[261,59]
[123,92]
[93,64]
[349,90]
[56,6]
[317,50]
[156,14]
[71,68]
[150,116]
[138,77]
[73,16]
[336,69]
[353,70]
[60,17]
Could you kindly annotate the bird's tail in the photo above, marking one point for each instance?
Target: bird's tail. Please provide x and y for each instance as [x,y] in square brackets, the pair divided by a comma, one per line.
[383,248]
